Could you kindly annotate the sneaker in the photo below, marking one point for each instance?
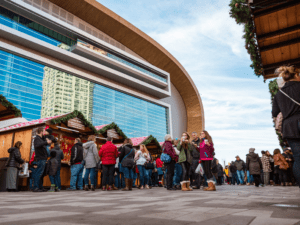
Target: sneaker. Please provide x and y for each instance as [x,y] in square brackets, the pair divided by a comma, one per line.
[147,186]
[142,187]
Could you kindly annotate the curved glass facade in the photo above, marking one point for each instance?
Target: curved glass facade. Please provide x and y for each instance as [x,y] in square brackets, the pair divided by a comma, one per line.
[38,90]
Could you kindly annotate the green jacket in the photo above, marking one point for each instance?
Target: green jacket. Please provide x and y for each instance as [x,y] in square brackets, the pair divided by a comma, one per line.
[182,156]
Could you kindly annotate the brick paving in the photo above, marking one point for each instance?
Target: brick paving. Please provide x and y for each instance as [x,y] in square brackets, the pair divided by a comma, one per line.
[228,205]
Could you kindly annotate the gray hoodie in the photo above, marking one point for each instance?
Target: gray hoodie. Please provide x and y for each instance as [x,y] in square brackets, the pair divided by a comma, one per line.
[90,154]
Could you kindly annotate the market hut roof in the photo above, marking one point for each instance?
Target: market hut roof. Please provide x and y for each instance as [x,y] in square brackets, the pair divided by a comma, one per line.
[8,110]
[103,129]
[151,142]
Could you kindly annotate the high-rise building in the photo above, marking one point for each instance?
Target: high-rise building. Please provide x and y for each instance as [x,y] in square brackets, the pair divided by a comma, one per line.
[57,56]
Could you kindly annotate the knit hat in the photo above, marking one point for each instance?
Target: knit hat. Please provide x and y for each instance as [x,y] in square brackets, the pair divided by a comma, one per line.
[49,130]
[251,150]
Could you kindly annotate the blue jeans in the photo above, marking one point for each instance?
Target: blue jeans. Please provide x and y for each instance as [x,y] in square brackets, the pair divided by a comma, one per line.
[241,175]
[57,178]
[118,180]
[177,174]
[250,178]
[52,180]
[234,178]
[149,174]
[143,175]
[295,146]
[128,173]
[92,173]
[76,176]
[39,174]
[134,178]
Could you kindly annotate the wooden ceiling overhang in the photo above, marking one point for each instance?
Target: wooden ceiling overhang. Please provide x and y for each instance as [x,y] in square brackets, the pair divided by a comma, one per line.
[8,110]
[124,32]
[277,26]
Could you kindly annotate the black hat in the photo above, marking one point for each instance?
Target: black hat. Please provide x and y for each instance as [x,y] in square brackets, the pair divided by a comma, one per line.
[49,130]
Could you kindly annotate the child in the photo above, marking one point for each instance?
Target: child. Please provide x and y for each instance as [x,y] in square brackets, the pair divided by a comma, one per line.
[51,170]
[32,171]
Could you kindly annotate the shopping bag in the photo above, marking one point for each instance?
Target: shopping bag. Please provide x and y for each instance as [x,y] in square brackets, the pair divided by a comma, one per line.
[24,172]
[199,169]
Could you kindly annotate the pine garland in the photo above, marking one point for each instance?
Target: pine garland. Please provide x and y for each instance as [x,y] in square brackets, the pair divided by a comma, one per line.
[242,13]
[73,115]
[273,88]
[10,106]
[150,139]
[112,126]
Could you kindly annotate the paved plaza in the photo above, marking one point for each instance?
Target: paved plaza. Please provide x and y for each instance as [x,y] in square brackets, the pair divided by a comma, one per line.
[229,205]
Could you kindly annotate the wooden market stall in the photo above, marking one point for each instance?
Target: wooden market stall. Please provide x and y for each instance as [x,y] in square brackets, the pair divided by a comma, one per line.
[151,144]
[8,110]
[65,127]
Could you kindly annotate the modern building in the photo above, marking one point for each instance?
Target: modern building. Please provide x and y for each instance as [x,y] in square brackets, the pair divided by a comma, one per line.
[59,56]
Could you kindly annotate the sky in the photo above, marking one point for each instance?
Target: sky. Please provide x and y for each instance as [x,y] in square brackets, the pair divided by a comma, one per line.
[208,43]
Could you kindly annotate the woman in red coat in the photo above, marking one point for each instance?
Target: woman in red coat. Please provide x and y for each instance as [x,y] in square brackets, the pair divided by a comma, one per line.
[108,155]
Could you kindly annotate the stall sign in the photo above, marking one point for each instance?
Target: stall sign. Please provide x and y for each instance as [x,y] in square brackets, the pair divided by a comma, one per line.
[112,133]
[76,123]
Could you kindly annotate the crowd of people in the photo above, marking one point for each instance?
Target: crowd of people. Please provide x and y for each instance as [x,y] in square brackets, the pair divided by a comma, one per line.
[180,161]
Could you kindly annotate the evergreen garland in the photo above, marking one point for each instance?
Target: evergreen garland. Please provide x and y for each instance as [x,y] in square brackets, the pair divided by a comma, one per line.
[112,126]
[10,106]
[273,88]
[149,140]
[242,13]
[73,115]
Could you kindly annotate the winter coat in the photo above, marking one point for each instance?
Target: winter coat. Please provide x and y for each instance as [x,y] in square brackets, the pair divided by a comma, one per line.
[289,109]
[279,160]
[129,160]
[196,153]
[265,160]
[226,172]
[232,168]
[159,163]
[59,154]
[76,153]
[196,142]
[51,167]
[253,164]
[289,156]
[90,154]
[185,157]
[40,148]
[169,150]
[14,159]
[220,170]
[240,164]
[214,166]
[108,153]
[206,152]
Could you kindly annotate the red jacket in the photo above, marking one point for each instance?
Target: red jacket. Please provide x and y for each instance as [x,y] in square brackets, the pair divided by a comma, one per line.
[108,153]
[159,163]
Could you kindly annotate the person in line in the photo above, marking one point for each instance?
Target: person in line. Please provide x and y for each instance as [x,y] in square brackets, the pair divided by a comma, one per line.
[229,174]
[214,167]
[32,171]
[281,166]
[287,101]
[159,165]
[233,170]
[47,134]
[254,165]
[185,159]
[290,160]
[41,155]
[149,165]
[13,164]
[91,158]
[76,163]
[59,157]
[142,156]
[51,170]
[206,156]
[220,174]
[121,174]
[108,154]
[178,169]
[194,177]
[265,159]
[126,158]
[240,165]
[226,170]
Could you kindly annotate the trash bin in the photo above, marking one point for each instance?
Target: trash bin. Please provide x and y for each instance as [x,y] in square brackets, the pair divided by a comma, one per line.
[3,171]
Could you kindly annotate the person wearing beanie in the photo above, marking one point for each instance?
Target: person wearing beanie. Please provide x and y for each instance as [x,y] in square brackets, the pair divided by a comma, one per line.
[254,165]
[59,157]
[51,170]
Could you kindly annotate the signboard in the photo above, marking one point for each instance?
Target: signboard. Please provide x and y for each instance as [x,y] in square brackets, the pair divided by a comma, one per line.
[76,123]
[112,133]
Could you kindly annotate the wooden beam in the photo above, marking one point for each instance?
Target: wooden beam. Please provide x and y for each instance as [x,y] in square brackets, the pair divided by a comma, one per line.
[280,44]
[274,66]
[279,32]
[269,10]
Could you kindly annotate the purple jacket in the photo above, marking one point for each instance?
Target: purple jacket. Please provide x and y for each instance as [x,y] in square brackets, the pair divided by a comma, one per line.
[206,151]
[168,149]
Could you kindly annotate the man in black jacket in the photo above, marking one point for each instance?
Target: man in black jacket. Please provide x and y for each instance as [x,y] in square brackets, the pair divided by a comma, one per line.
[233,171]
[41,158]
[76,166]
[59,157]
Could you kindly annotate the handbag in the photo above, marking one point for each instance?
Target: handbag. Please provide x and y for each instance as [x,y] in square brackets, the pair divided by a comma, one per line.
[149,165]
[165,158]
[24,172]
[199,169]
[120,165]
[99,165]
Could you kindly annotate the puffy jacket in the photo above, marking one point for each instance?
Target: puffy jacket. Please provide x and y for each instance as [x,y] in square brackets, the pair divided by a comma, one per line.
[253,164]
[129,160]
[51,167]
[14,159]
[108,153]
[90,154]
[168,149]
[206,152]
[159,163]
[76,153]
[40,148]
[59,154]
[232,168]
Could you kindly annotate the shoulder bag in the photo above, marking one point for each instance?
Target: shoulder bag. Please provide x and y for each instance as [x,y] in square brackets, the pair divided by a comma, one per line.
[120,165]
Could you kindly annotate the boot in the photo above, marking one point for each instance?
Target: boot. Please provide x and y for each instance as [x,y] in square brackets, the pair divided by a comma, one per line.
[92,188]
[126,185]
[57,190]
[130,184]
[287,184]
[188,186]
[52,188]
[109,188]
[86,188]
[114,188]
[183,186]
[211,187]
